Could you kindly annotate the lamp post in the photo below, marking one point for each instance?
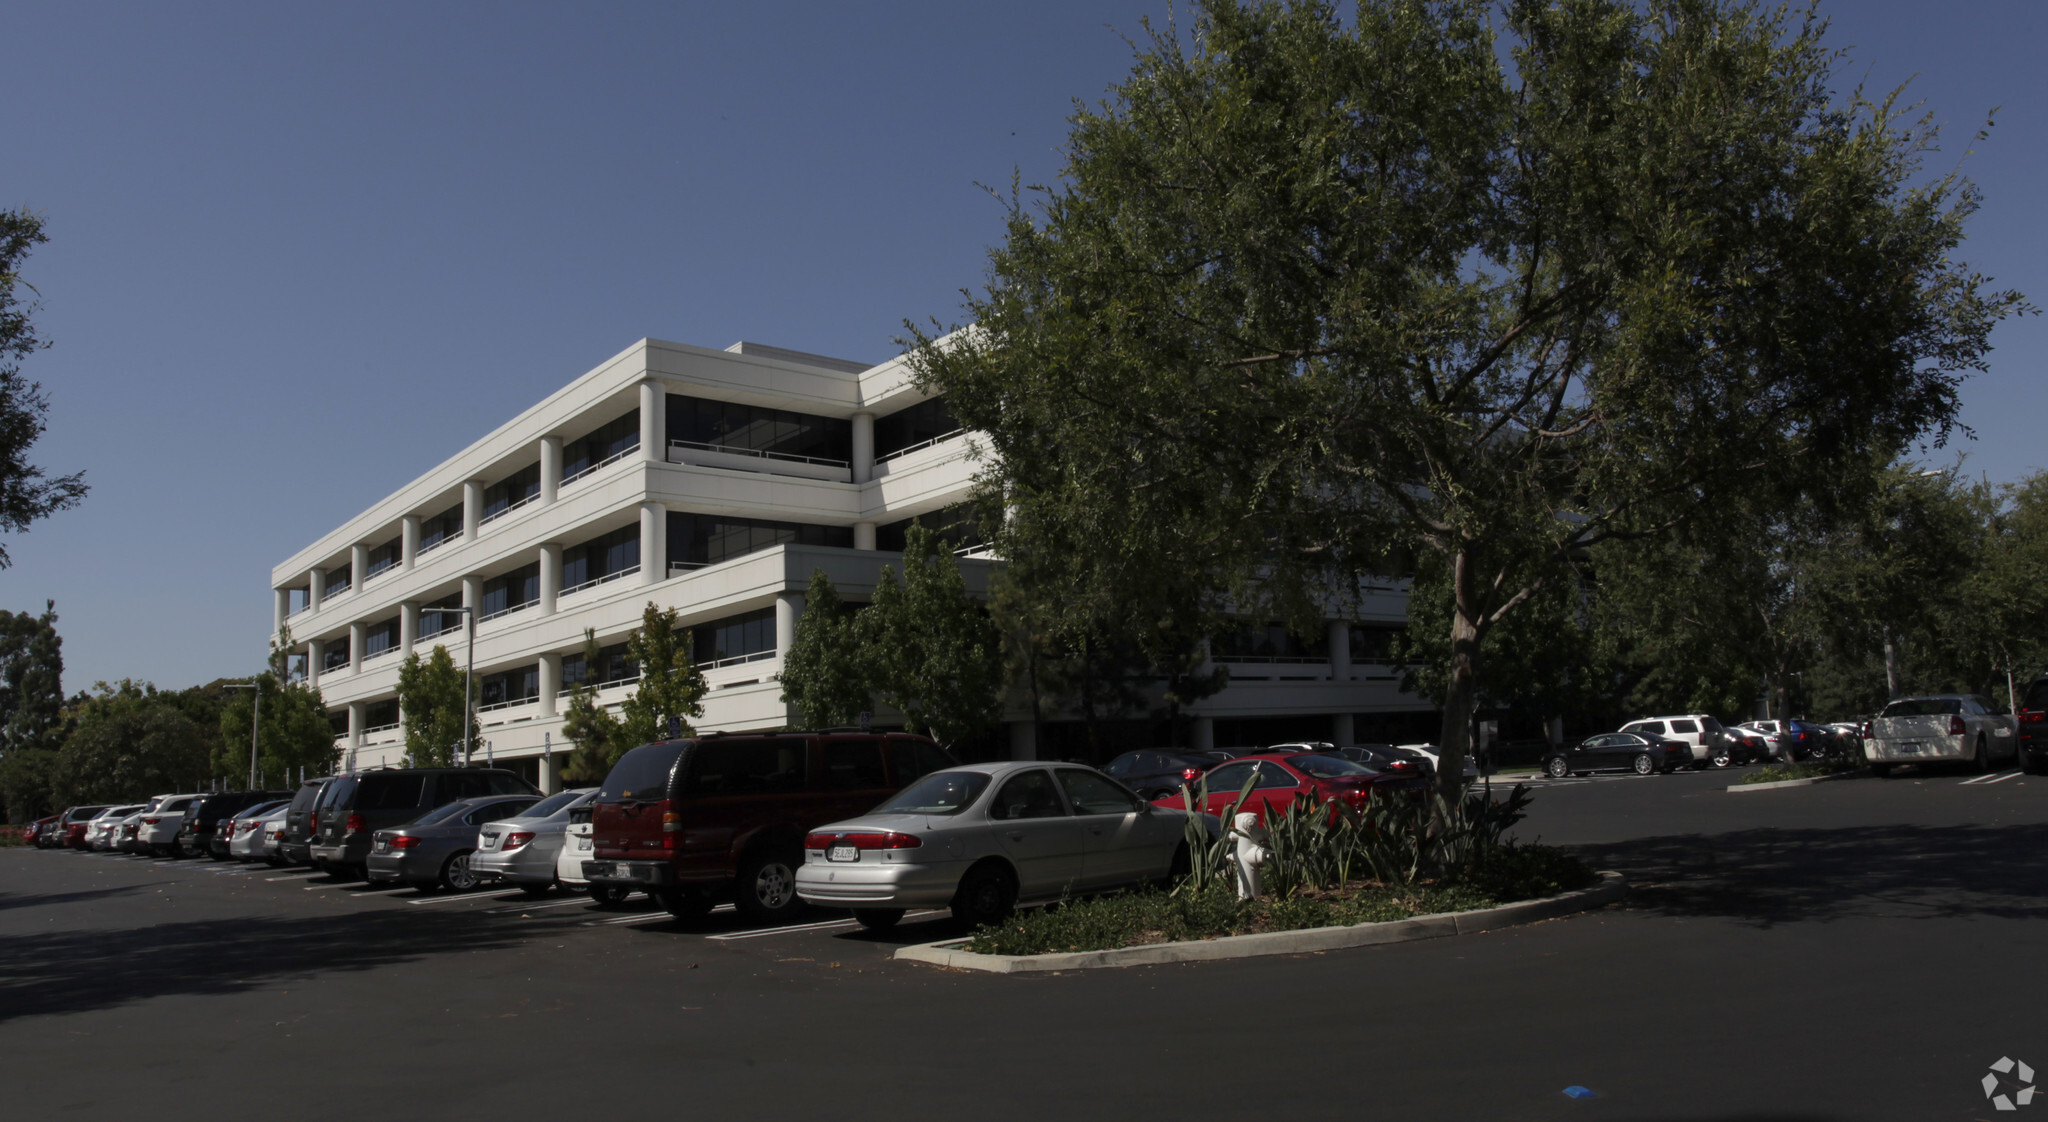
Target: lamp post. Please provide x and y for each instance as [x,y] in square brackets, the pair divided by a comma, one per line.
[255,723]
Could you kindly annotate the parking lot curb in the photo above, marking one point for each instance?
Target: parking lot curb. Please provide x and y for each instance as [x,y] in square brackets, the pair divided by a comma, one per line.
[948,952]
[1741,788]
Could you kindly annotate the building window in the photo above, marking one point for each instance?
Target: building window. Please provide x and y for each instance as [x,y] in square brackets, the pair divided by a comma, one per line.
[337,721]
[511,592]
[381,637]
[441,527]
[926,422]
[337,580]
[958,526]
[436,620]
[384,557]
[601,557]
[613,665]
[601,446]
[515,490]
[380,715]
[736,638]
[697,540]
[1373,642]
[333,654]
[716,425]
[1270,642]
[508,688]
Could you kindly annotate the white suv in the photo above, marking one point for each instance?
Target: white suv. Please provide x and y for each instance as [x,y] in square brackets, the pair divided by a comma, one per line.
[1699,730]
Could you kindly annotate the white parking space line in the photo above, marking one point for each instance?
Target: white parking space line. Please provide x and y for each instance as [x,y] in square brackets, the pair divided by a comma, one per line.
[827,925]
[647,918]
[459,897]
[292,876]
[538,907]
[1994,777]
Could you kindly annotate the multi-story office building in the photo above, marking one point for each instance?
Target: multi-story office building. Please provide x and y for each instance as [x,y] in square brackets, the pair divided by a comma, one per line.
[713,482]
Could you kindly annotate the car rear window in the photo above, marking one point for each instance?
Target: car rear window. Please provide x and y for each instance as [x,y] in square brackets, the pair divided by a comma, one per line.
[942,792]
[1924,707]
[336,791]
[2037,695]
[747,767]
[1329,767]
[550,804]
[642,773]
[303,800]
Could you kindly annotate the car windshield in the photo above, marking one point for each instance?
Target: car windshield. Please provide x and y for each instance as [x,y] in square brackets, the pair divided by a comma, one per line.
[1327,767]
[942,792]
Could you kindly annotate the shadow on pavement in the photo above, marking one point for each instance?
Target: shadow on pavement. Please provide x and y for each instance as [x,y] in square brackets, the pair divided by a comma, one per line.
[18,900]
[73,971]
[1772,876]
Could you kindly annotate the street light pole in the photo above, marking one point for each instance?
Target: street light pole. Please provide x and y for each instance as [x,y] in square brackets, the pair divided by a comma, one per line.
[255,723]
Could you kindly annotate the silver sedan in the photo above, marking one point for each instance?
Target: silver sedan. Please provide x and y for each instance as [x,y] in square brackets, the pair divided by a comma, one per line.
[522,851]
[981,839]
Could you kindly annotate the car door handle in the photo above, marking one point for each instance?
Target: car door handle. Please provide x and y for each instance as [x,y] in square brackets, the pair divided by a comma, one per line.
[1096,830]
[1016,835]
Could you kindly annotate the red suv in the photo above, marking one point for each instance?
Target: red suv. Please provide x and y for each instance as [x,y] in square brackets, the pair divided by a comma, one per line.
[694,821]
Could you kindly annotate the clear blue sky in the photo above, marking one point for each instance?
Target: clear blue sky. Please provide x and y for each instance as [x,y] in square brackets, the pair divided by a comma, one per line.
[301,253]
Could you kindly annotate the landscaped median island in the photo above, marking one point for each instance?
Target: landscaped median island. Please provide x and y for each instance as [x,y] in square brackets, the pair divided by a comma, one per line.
[1809,769]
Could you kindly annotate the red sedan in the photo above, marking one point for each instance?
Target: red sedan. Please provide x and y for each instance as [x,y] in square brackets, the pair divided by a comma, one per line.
[1285,776]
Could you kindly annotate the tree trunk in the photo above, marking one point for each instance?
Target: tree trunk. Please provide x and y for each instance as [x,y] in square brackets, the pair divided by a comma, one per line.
[1455,742]
[1891,666]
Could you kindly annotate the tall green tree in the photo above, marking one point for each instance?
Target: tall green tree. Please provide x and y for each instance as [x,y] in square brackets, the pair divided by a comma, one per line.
[935,655]
[131,741]
[432,704]
[25,493]
[32,717]
[825,672]
[1317,289]
[589,726]
[670,683]
[295,736]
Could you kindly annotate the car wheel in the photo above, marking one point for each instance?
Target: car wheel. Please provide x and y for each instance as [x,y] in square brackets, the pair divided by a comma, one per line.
[1644,765]
[456,875]
[684,903]
[878,919]
[609,895]
[1557,768]
[766,890]
[986,895]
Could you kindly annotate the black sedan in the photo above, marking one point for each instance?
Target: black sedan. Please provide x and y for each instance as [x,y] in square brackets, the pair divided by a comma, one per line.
[433,849]
[1641,753]
[1156,774]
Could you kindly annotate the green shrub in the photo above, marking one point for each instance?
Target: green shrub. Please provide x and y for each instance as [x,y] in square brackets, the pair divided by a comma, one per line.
[1809,769]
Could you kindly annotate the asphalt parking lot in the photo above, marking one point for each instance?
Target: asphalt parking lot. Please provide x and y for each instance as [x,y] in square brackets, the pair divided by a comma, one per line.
[1859,949]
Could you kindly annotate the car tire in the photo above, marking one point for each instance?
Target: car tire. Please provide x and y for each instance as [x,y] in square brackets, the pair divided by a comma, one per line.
[766,888]
[1721,758]
[684,903]
[1557,768]
[878,919]
[1644,765]
[455,873]
[608,895]
[987,894]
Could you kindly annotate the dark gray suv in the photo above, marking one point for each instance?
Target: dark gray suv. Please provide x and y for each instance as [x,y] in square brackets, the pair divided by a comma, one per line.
[355,807]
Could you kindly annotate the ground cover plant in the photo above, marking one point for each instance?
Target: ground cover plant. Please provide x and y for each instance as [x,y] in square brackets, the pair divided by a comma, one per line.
[1809,769]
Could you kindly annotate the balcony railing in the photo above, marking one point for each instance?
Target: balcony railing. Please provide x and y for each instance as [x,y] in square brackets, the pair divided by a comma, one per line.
[429,547]
[918,447]
[509,508]
[736,660]
[424,635]
[757,453]
[604,463]
[506,611]
[334,590]
[375,729]
[333,667]
[615,682]
[675,567]
[377,567]
[605,579]
[380,652]
[497,705]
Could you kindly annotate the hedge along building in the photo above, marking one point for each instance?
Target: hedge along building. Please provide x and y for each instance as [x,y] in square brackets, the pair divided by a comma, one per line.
[713,482]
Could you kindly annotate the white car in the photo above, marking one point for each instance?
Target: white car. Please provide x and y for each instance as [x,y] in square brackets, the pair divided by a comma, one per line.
[1434,755]
[249,831]
[1952,726]
[576,849]
[1698,731]
[105,828]
[127,835]
[157,832]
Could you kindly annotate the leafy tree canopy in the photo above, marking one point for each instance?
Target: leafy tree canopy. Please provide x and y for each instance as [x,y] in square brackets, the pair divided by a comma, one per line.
[25,493]
[432,705]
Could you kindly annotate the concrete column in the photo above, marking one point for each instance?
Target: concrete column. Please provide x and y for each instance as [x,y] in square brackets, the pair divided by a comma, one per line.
[863,535]
[472,508]
[1023,740]
[281,609]
[356,722]
[653,422]
[408,626]
[864,450]
[1339,632]
[550,577]
[313,653]
[550,468]
[550,683]
[358,566]
[472,592]
[1203,736]
[408,540]
[355,646]
[550,775]
[1341,730]
[316,587]
[653,542]
[789,607]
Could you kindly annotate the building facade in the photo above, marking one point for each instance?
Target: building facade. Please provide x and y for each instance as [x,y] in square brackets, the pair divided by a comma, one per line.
[713,482]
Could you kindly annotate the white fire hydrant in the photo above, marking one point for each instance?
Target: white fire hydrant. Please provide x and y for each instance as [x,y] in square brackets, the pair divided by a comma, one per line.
[1248,853]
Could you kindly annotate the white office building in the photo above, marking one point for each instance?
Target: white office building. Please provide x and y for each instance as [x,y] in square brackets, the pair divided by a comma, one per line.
[713,482]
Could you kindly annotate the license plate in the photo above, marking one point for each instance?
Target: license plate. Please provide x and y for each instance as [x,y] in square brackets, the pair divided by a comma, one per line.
[1908,749]
[842,853]
[490,839]
[383,847]
[583,845]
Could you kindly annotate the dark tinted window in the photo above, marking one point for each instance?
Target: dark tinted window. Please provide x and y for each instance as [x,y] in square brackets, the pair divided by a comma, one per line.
[909,759]
[1028,794]
[1092,794]
[491,812]
[390,792]
[854,765]
[2037,695]
[1229,778]
[1273,775]
[1328,767]
[747,767]
[452,785]
[438,815]
[1923,707]
[505,783]
[642,773]
[337,791]
[303,800]
[944,792]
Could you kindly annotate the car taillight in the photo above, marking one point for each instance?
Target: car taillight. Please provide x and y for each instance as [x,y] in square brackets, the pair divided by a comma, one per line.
[277,834]
[885,839]
[1189,775]
[355,824]
[514,841]
[404,842]
[1955,725]
[151,821]
[312,823]
[1866,730]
